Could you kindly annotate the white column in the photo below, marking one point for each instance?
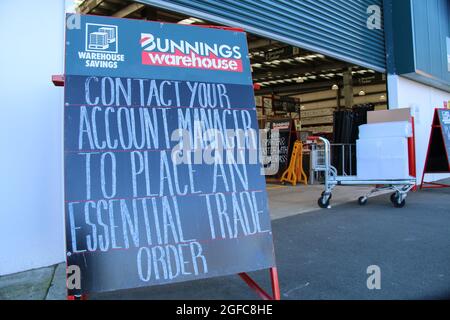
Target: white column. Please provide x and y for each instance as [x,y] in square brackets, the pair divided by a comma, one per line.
[31,135]
[422,99]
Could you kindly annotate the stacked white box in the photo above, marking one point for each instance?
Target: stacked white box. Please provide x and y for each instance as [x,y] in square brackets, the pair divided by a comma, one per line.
[385,130]
[382,151]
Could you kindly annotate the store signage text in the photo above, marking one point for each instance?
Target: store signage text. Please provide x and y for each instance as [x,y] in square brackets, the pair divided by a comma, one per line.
[183,54]
[101,47]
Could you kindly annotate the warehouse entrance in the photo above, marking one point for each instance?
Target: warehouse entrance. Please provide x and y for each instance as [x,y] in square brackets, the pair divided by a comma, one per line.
[298,92]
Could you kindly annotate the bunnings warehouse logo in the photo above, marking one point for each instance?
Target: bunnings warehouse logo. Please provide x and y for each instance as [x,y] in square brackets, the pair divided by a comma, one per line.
[101,47]
[196,55]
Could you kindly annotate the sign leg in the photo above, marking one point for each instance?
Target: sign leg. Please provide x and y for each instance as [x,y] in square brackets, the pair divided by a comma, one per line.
[275,284]
[260,291]
[82,297]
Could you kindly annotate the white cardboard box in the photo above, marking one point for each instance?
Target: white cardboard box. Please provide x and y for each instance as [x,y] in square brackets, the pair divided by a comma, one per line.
[382,158]
[386,129]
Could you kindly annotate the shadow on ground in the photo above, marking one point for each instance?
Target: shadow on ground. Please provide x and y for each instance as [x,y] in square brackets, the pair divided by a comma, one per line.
[325,255]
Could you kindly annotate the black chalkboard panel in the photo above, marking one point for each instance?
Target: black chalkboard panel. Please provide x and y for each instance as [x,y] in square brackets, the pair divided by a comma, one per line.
[161,180]
[438,160]
[444,117]
[283,140]
[129,205]
[286,104]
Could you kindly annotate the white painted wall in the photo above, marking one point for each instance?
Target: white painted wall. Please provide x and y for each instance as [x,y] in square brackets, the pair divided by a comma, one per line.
[422,99]
[31,135]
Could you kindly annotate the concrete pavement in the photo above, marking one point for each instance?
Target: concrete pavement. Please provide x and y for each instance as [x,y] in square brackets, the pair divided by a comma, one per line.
[321,254]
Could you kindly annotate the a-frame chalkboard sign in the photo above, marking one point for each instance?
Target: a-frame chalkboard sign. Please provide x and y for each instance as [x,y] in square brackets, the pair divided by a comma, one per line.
[438,154]
[160,135]
[285,141]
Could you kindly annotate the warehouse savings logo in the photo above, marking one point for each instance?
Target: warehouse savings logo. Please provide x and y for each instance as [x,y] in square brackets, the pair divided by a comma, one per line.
[197,55]
[101,46]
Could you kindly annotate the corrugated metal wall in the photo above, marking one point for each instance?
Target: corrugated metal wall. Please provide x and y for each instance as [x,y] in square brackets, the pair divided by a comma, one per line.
[337,28]
[418,31]
[431,21]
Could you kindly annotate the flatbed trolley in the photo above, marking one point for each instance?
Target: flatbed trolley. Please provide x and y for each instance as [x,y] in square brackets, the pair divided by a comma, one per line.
[321,162]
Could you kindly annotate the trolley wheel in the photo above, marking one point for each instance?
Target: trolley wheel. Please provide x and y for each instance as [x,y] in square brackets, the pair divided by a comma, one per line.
[400,204]
[395,199]
[330,196]
[362,201]
[324,204]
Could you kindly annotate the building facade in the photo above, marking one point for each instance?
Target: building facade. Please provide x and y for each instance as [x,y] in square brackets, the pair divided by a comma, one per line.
[408,40]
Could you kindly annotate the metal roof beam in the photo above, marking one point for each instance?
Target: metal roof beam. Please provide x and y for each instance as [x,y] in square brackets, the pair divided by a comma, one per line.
[114,7]
[320,68]
[297,88]
[302,88]
[89,5]
[128,10]
[262,43]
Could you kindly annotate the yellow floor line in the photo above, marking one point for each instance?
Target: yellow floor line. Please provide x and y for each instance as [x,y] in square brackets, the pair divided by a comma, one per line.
[275,187]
